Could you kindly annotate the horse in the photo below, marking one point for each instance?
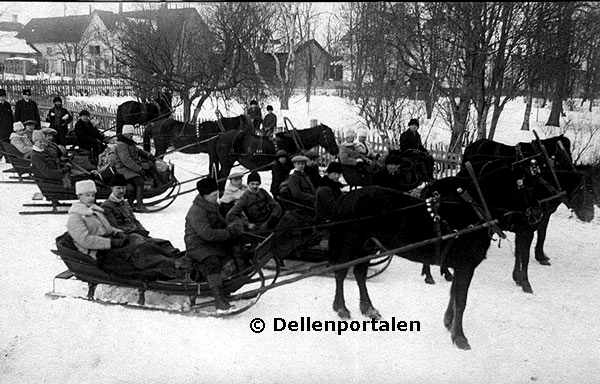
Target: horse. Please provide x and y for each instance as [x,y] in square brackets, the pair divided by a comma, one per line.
[184,137]
[375,218]
[258,152]
[134,112]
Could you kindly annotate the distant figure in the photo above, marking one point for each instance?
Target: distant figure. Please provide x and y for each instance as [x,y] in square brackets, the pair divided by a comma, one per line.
[27,109]
[301,188]
[54,149]
[269,122]
[255,114]
[44,164]
[6,118]
[411,139]
[349,152]
[30,126]
[88,136]
[362,145]
[59,119]
[280,171]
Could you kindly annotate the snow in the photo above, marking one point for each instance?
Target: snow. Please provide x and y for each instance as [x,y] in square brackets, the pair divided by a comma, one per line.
[10,44]
[550,336]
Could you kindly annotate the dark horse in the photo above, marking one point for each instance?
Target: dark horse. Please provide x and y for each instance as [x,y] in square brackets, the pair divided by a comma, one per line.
[257,152]
[578,187]
[134,112]
[374,217]
[184,137]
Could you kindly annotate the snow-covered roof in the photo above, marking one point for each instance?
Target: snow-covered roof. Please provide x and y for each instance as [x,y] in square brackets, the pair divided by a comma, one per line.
[10,44]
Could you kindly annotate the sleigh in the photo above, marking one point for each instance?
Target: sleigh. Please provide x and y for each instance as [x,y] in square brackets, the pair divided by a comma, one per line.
[20,166]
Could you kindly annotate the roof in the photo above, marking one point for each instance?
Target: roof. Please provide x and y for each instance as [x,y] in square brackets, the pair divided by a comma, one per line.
[10,26]
[67,29]
[11,44]
[108,18]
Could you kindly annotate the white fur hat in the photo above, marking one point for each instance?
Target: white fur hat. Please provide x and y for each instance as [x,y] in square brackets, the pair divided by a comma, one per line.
[18,126]
[85,186]
[362,132]
[45,124]
[128,128]
[37,135]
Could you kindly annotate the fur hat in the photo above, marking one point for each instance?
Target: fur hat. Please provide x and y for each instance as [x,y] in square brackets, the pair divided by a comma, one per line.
[118,180]
[253,176]
[269,107]
[27,92]
[85,186]
[18,126]
[282,153]
[2,92]
[350,132]
[299,159]
[334,166]
[206,186]
[57,99]
[236,175]
[37,135]
[84,113]
[47,130]
[311,154]
[128,128]
[413,122]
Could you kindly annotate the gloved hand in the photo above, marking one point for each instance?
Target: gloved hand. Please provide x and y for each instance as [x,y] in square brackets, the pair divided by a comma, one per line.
[235,229]
[117,243]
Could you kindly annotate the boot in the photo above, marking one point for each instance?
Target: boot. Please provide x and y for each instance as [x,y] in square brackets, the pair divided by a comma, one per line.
[140,207]
[214,282]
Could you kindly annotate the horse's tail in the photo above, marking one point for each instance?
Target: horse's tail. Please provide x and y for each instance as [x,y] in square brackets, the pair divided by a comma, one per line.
[147,136]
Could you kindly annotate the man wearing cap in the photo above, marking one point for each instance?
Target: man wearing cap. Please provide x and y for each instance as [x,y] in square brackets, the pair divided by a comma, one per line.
[20,140]
[312,167]
[128,163]
[6,118]
[256,210]
[280,171]
[232,193]
[269,122]
[59,119]
[300,186]
[88,136]
[349,153]
[329,192]
[27,109]
[117,210]
[208,239]
[30,126]
[44,165]
[52,148]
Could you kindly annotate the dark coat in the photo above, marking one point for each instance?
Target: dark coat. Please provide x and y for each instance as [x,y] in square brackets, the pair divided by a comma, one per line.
[279,173]
[6,121]
[120,215]
[301,188]
[206,232]
[27,110]
[88,136]
[45,166]
[258,208]
[328,196]
[55,150]
[270,122]
[313,174]
[411,140]
[127,158]
[55,118]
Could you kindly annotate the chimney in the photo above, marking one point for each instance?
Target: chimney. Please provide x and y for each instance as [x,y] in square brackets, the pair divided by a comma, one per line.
[15,18]
[120,7]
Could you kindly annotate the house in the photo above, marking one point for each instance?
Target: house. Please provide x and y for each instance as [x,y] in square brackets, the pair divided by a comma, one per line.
[70,46]
[16,56]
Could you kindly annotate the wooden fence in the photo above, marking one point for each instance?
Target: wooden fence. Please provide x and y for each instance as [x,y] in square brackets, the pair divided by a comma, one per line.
[76,87]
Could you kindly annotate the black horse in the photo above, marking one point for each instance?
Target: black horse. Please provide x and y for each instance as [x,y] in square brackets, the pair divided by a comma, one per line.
[184,136]
[258,152]
[373,217]
[134,112]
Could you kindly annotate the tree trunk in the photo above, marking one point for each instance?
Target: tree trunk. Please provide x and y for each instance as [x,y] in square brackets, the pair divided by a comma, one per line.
[199,106]
[525,125]
[284,98]
[591,103]
[482,122]
[460,123]
[498,108]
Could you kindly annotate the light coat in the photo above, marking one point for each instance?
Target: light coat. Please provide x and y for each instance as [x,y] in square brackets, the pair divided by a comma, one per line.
[127,158]
[89,228]
[21,142]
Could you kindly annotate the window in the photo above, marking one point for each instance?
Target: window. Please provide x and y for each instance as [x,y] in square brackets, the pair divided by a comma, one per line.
[94,50]
[1,67]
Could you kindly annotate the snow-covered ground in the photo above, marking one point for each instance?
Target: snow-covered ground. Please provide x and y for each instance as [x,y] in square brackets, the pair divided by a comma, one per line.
[550,336]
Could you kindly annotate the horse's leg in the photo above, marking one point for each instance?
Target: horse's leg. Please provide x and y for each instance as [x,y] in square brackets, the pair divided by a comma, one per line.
[366,307]
[523,242]
[458,293]
[444,271]
[339,304]
[426,271]
[540,256]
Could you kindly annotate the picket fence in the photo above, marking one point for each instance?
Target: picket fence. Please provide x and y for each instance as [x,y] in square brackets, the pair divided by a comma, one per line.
[76,87]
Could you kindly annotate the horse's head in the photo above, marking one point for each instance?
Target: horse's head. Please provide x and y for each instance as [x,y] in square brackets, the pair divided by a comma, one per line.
[559,150]
[327,140]
[164,100]
[581,200]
